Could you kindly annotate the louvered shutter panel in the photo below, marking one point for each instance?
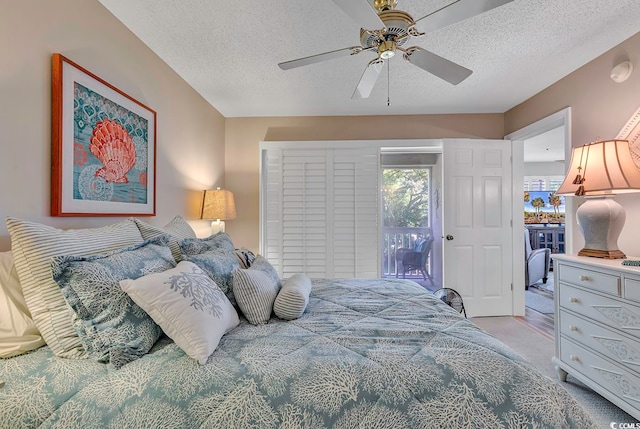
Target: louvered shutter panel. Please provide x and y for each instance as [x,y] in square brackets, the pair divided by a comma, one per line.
[355,212]
[320,211]
[304,220]
[272,246]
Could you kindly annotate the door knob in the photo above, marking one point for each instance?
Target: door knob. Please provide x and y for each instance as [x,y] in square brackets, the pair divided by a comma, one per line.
[449,237]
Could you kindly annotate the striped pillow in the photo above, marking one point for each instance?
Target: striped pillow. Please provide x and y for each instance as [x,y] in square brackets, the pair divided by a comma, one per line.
[255,289]
[261,263]
[33,245]
[177,228]
[293,298]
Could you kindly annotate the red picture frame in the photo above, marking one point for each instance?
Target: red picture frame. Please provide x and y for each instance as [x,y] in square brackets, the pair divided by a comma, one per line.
[103,147]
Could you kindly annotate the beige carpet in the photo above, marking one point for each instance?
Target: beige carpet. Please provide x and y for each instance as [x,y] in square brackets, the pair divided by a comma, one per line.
[539,349]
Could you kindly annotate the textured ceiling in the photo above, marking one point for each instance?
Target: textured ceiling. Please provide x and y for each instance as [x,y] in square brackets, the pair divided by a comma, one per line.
[229,50]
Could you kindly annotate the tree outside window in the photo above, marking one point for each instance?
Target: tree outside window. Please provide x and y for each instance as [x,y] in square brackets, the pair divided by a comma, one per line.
[405,196]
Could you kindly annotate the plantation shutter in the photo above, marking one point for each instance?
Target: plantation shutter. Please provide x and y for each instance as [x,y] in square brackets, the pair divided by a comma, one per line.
[320,211]
[355,208]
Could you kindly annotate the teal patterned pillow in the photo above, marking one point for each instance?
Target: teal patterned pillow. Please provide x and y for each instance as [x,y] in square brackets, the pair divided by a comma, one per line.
[220,242]
[110,325]
[219,266]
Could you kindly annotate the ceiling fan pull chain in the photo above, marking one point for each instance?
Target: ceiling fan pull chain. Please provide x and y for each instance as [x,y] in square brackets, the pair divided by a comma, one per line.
[388,80]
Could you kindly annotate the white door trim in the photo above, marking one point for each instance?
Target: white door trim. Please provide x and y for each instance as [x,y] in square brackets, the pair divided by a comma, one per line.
[558,119]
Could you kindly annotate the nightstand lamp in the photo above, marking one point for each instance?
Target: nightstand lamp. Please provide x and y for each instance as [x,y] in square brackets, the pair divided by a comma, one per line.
[598,171]
[218,204]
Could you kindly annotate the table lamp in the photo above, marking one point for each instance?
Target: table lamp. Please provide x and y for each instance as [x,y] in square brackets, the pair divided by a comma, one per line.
[218,204]
[598,171]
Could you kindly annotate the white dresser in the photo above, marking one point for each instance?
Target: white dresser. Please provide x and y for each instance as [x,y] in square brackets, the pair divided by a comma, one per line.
[597,327]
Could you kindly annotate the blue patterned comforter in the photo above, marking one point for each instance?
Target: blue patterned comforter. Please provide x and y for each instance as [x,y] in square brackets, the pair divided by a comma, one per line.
[366,353]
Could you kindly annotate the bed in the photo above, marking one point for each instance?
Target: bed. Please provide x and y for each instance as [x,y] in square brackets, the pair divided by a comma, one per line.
[151,327]
[366,353]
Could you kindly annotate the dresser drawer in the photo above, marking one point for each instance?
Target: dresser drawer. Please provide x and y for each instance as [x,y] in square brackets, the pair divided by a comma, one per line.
[611,312]
[607,283]
[616,380]
[632,287]
[610,343]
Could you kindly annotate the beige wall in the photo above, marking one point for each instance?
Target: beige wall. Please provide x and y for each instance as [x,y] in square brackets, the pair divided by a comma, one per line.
[599,108]
[242,163]
[190,133]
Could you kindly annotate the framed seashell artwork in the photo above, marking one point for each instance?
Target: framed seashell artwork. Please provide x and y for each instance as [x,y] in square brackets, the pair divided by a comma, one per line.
[103,147]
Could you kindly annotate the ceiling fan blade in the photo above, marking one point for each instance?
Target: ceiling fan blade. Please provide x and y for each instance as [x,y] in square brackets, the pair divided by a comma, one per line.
[368,79]
[438,66]
[320,57]
[362,13]
[455,12]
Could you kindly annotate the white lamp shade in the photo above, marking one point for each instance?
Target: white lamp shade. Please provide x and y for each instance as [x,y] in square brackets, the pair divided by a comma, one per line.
[606,167]
[218,204]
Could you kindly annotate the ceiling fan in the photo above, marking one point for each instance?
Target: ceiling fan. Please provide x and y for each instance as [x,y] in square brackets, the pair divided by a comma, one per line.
[393,29]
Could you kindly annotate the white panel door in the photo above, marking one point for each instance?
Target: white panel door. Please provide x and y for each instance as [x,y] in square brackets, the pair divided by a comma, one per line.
[477,224]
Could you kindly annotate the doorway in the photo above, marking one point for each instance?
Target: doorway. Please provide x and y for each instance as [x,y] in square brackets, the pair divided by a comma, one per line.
[544,217]
[410,215]
[559,126]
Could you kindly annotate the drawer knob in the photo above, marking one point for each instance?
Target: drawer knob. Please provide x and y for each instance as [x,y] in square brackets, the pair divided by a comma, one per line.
[572,299]
[574,358]
[584,278]
[573,327]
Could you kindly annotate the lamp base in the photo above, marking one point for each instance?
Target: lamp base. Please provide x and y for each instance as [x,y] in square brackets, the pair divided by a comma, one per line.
[601,220]
[606,254]
[217,226]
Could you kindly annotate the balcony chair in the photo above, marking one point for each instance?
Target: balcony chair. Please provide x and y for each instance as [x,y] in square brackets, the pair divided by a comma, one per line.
[536,265]
[416,258]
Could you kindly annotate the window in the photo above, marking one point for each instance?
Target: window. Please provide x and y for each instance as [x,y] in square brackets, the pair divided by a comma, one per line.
[542,183]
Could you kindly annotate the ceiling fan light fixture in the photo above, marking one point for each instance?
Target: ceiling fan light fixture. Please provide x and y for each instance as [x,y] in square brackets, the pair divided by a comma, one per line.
[387,49]
[382,5]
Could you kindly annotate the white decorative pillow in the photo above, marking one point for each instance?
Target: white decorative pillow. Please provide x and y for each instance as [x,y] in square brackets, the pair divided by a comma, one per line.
[18,333]
[33,245]
[293,298]
[177,228]
[188,306]
[255,291]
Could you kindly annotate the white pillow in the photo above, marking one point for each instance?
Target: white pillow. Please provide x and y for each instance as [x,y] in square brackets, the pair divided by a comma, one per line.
[293,298]
[18,333]
[188,306]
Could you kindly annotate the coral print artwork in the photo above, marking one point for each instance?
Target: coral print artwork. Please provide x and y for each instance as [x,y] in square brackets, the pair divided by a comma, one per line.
[103,147]
[110,150]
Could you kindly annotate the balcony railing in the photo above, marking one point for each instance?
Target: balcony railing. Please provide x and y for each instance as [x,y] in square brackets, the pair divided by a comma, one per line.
[395,238]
